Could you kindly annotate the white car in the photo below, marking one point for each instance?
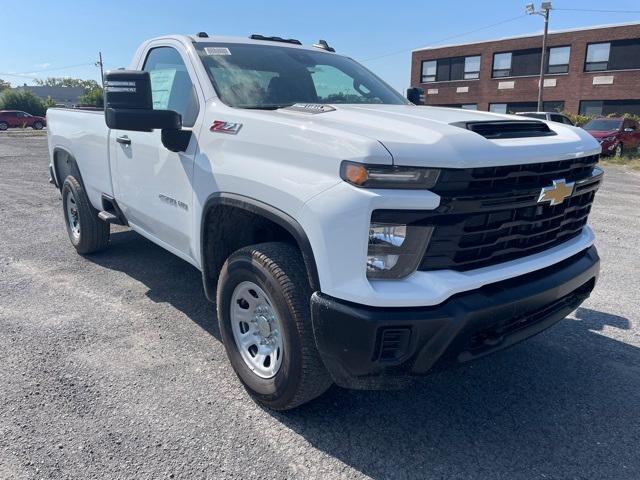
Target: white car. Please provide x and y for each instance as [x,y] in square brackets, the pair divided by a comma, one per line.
[548,116]
[344,234]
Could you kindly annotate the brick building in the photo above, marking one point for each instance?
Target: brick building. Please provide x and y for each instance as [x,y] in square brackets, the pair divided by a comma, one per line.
[592,71]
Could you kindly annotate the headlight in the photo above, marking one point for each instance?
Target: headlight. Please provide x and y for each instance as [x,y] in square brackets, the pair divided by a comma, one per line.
[388,176]
[395,250]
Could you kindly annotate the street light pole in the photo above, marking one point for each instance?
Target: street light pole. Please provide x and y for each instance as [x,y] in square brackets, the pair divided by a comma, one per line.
[100,64]
[545,8]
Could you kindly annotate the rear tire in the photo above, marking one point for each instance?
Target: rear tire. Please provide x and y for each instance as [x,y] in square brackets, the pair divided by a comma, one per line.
[619,150]
[88,234]
[4,126]
[37,125]
[277,269]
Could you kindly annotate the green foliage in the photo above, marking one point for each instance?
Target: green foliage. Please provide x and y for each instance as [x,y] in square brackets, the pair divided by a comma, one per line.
[93,98]
[49,103]
[21,100]
[580,120]
[4,85]
[68,82]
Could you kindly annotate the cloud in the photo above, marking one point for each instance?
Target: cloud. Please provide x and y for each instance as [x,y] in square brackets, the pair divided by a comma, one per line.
[43,65]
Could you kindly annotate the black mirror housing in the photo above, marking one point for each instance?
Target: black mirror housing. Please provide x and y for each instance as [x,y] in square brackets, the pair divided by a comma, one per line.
[129,103]
[415,95]
[142,120]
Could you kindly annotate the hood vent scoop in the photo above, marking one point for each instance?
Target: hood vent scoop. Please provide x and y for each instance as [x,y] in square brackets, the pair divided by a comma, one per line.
[507,129]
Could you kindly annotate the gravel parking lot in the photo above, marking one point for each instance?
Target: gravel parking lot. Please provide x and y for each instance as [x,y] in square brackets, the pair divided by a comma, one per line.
[112,367]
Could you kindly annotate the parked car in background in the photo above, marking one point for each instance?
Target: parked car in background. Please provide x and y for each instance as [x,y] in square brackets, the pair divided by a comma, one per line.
[18,119]
[616,135]
[549,116]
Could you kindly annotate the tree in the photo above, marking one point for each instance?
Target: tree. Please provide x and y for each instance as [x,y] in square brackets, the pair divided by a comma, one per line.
[67,82]
[21,100]
[4,85]
[93,97]
[49,103]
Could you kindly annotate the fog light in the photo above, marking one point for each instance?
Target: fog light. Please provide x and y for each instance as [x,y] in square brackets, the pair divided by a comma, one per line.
[395,250]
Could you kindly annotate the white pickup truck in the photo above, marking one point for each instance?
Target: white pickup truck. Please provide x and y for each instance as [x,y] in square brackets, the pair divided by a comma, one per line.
[344,234]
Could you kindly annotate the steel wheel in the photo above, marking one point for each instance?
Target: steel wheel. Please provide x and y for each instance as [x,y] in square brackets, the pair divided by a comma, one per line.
[257,330]
[73,216]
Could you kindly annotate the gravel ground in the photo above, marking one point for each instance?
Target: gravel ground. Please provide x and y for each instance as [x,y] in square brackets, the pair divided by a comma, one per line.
[112,367]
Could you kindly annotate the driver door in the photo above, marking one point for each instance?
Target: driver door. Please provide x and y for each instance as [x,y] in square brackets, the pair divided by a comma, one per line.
[154,185]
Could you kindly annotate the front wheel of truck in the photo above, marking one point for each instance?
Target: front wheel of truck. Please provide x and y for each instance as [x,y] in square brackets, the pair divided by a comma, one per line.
[264,315]
[88,234]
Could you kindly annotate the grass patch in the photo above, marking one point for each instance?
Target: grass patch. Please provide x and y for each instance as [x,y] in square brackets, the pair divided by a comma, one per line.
[629,160]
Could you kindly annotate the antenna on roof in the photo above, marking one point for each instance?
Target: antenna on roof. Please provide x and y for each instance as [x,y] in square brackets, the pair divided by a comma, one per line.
[324,46]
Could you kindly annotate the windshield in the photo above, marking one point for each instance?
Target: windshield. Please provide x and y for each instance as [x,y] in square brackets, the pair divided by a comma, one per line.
[602,125]
[269,77]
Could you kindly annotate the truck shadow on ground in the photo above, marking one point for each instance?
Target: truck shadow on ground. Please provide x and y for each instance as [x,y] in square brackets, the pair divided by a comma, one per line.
[561,405]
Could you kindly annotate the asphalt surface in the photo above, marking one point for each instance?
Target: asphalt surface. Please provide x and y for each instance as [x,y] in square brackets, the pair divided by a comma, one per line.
[111,366]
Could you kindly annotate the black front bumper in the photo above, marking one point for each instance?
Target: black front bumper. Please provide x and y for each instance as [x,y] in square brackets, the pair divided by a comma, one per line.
[373,347]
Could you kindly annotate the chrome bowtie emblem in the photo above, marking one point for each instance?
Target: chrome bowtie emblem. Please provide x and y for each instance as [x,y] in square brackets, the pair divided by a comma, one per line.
[556,193]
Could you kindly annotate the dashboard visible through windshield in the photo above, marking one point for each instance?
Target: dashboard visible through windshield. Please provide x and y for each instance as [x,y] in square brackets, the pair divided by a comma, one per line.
[270,77]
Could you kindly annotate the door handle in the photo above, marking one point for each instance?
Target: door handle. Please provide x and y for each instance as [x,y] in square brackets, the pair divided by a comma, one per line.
[124,140]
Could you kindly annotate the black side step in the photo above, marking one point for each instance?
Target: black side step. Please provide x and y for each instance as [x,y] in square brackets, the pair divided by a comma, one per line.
[111,212]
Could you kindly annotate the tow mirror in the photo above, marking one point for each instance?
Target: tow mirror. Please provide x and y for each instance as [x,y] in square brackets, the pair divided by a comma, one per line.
[415,95]
[129,106]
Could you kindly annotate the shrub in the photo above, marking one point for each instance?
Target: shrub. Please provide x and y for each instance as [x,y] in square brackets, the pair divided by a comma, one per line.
[21,100]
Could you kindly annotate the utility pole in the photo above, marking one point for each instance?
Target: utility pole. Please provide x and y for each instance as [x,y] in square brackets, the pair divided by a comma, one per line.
[100,64]
[545,8]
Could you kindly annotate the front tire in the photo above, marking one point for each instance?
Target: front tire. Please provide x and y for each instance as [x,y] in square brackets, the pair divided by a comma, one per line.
[265,320]
[4,126]
[88,234]
[37,126]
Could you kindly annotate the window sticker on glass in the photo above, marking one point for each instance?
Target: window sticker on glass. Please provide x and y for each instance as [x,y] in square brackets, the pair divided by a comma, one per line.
[161,83]
[217,51]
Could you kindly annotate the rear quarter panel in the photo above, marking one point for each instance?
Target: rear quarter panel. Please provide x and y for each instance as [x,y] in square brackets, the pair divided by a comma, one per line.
[85,136]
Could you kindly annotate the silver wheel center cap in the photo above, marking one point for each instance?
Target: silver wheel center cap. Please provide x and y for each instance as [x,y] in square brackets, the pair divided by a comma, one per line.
[264,327]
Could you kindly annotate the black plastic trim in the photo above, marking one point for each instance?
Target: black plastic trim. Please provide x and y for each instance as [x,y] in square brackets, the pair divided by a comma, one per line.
[347,333]
[271,213]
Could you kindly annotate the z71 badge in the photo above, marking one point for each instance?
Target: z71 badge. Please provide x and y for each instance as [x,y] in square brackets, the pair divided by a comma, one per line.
[225,127]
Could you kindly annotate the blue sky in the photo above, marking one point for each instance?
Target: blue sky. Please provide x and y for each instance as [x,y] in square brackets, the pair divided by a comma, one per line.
[41,37]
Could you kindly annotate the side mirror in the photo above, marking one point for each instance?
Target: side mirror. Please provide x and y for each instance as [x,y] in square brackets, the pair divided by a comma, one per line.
[415,95]
[129,106]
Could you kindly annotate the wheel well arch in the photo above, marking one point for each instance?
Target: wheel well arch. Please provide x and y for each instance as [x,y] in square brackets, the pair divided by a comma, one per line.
[231,221]
[64,164]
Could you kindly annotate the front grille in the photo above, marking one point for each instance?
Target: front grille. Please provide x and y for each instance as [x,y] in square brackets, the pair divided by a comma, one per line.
[492,215]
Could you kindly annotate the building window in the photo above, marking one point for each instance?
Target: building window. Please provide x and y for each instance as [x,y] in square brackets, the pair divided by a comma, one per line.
[502,64]
[616,55]
[514,107]
[446,69]
[559,60]
[469,106]
[472,68]
[609,107]
[597,57]
[429,71]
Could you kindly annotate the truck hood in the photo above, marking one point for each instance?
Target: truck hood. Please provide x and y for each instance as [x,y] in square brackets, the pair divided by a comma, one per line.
[425,136]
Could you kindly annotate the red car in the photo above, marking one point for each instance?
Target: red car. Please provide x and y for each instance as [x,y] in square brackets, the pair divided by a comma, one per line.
[616,135]
[16,118]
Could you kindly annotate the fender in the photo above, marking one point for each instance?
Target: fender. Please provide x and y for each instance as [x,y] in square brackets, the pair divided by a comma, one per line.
[271,213]
[70,167]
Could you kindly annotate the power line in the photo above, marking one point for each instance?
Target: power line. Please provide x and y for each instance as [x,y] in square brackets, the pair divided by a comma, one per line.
[595,10]
[447,38]
[33,72]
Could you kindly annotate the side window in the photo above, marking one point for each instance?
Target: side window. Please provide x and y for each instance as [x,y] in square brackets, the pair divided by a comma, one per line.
[566,121]
[556,118]
[171,85]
